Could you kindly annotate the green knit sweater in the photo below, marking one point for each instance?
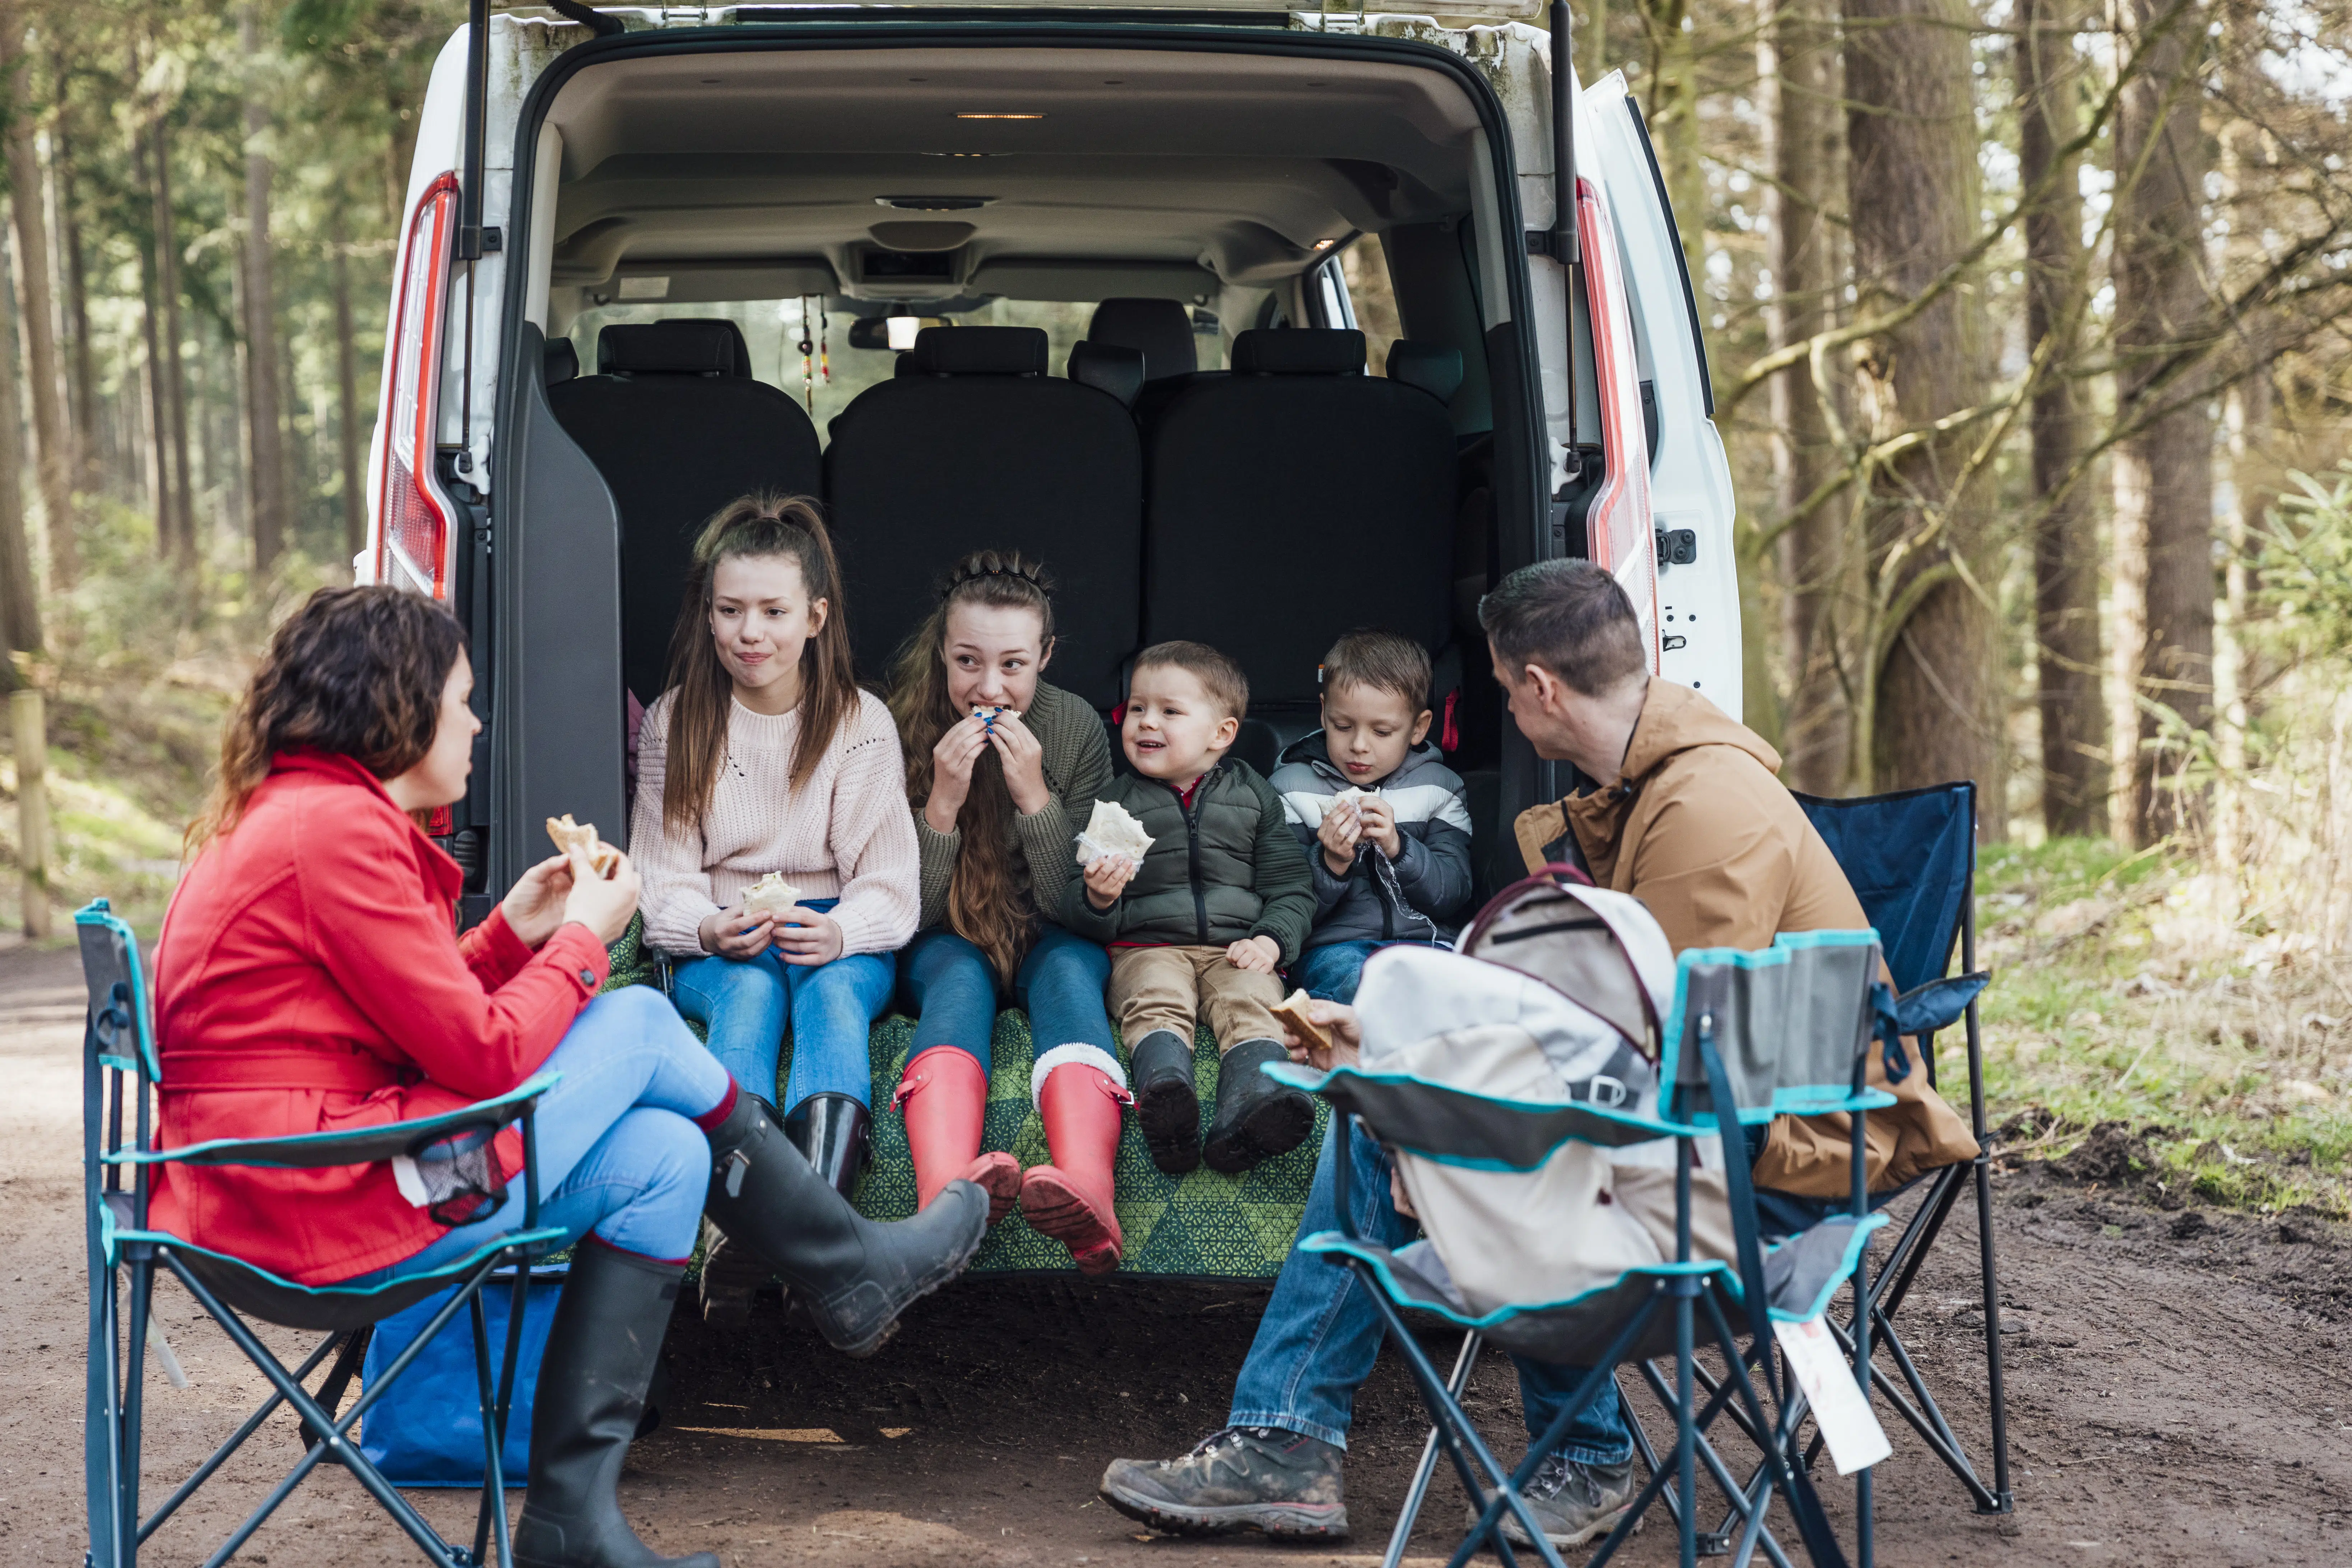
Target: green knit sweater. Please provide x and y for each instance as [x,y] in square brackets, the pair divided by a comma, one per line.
[1077,766]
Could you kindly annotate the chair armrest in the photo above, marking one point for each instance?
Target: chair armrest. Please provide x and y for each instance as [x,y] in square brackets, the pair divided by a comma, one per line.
[360,1146]
[1938,1004]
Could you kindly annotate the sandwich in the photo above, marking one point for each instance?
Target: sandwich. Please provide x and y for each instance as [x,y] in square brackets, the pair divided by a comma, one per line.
[1292,1010]
[1113,830]
[1351,796]
[771,895]
[580,838]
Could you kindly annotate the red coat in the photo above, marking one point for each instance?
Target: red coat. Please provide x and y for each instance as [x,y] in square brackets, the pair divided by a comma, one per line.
[309,980]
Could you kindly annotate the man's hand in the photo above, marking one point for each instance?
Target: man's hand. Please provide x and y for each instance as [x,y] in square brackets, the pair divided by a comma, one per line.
[731,933]
[1342,827]
[808,937]
[1025,763]
[534,905]
[1379,824]
[1337,1020]
[1107,878]
[1258,954]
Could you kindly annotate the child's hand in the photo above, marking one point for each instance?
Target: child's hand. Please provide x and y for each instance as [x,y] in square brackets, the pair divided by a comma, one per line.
[1257,954]
[1340,831]
[1379,824]
[1107,878]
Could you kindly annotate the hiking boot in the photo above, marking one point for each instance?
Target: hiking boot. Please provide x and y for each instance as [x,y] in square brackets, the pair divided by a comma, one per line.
[1166,1107]
[1257,1118]
[1243,1478]
[1575,1503]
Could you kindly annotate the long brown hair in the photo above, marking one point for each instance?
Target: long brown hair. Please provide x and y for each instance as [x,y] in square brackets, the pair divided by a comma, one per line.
[357,672]
[753,526]
[981,907]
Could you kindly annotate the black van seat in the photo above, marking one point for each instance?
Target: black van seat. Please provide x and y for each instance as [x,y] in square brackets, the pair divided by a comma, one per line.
[1257,480]
[562,360]
[976,447]
[679,429]
[1108,367]
[1160,330]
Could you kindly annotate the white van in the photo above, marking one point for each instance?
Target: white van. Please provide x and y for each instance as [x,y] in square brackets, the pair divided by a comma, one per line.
[655,258]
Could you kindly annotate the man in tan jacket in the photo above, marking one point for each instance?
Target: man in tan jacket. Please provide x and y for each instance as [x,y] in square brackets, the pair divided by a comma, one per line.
[1687,816]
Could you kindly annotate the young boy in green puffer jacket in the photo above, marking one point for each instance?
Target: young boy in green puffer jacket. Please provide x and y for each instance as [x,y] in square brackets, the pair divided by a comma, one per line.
[1220,902]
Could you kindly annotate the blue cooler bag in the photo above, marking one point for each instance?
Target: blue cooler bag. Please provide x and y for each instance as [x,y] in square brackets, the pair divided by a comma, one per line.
[427,1431]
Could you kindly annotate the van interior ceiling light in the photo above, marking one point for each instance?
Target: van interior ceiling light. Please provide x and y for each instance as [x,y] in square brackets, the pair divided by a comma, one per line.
[994,114]
[1323,244]
[412,513]
[902,325]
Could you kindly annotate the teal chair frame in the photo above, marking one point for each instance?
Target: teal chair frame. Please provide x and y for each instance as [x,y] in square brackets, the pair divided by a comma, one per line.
[120,1071]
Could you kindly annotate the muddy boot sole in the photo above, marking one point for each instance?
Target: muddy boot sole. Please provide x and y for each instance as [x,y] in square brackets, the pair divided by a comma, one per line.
[1279,1520]
[1168,1111]
[1269,1125]
[1056,1209]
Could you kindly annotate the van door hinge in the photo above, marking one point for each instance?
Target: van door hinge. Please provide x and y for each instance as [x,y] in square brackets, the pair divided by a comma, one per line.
[1677,546]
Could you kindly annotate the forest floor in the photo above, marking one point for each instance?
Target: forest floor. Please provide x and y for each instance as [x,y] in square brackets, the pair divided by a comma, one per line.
[2180,1391]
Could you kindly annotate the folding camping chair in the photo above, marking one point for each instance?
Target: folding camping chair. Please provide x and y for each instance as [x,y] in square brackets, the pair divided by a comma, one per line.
[1786,1029]
[1911,856]
[120,1070]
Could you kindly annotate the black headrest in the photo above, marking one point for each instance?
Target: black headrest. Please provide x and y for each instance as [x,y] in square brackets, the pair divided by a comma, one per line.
[562,360]
[1161,329]
[980,350]
[1299,350]
[1108,367]
[1433,367]
[698,346]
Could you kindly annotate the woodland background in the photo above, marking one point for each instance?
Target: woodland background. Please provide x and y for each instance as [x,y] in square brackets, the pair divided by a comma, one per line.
[2027,320]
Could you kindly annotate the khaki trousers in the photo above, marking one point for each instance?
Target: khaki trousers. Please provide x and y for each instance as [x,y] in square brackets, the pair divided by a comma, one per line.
[1168,988]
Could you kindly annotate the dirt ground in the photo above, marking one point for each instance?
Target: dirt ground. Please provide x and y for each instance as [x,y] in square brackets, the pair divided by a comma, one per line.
[2180,1391]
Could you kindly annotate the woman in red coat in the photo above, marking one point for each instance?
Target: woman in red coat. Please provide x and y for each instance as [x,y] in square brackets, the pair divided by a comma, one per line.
[309,980]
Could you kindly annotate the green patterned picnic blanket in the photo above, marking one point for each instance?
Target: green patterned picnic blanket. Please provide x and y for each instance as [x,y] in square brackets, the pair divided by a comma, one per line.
[1202,1224]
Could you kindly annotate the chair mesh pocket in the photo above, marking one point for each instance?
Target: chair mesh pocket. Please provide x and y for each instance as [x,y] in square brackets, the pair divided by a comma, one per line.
[458,1171]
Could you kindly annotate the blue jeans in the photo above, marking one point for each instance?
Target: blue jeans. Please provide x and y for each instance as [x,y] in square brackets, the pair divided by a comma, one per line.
[1320,1333]
[619,1152]
[745,1002]
[1330,972]
[949,984]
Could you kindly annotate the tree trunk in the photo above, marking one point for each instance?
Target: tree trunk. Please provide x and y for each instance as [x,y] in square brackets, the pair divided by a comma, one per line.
[2164,472]
[52,439]
[1936,707]
[1673,118]
[174,365]
[159,397]
[347,397]
[265,425]
[2066,541]
[20,599]
[84,378]
[1793,56]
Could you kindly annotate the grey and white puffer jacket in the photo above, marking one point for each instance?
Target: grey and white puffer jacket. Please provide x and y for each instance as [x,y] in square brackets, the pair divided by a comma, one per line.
[1418,897]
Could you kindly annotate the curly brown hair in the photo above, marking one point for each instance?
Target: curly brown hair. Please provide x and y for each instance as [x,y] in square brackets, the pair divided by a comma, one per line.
[753,526]
[357,672]
[982,906]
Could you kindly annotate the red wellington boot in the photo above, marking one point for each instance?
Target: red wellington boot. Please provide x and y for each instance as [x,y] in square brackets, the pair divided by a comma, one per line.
[1079,1090]
[943,1094]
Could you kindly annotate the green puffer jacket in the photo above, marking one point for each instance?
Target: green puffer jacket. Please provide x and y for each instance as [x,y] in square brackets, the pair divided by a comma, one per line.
[1226,869]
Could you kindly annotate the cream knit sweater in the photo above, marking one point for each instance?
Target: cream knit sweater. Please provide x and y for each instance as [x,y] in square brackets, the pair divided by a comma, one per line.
[846,833]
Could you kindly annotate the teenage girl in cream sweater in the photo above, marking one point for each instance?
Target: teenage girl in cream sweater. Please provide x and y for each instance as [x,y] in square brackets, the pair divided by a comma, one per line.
[765,756]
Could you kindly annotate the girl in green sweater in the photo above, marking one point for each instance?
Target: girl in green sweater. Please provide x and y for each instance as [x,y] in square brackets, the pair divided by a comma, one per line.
[1001,770]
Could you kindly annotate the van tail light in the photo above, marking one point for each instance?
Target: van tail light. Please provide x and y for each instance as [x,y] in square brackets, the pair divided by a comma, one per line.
[413,531]
[1618,531]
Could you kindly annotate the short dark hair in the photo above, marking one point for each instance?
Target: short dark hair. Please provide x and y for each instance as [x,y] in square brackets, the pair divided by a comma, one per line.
[1219,675]
[1571,617]
[1382,660]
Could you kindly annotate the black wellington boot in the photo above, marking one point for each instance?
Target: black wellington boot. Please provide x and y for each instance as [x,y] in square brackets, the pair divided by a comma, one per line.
[853,1275]
[1257,1118]
[829,1128]
[1166,1107]
[592,1377]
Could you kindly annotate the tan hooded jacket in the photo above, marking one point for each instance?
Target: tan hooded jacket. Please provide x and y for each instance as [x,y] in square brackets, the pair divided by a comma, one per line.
[1700,829]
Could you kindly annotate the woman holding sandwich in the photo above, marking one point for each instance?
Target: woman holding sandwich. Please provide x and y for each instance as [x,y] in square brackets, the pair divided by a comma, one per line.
[1003,769]
[308,979]
[763,760]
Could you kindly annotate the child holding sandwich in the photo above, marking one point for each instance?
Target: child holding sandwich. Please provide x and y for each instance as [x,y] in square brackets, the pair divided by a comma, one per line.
[1218,903]
[1383,821]
[764,758]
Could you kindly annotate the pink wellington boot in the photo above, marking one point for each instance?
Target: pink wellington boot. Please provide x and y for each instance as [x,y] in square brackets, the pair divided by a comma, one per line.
[943,1094]
[1079,1090]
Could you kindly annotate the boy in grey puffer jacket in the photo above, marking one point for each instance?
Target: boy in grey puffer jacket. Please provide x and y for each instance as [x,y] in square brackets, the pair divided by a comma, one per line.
[1383,821]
